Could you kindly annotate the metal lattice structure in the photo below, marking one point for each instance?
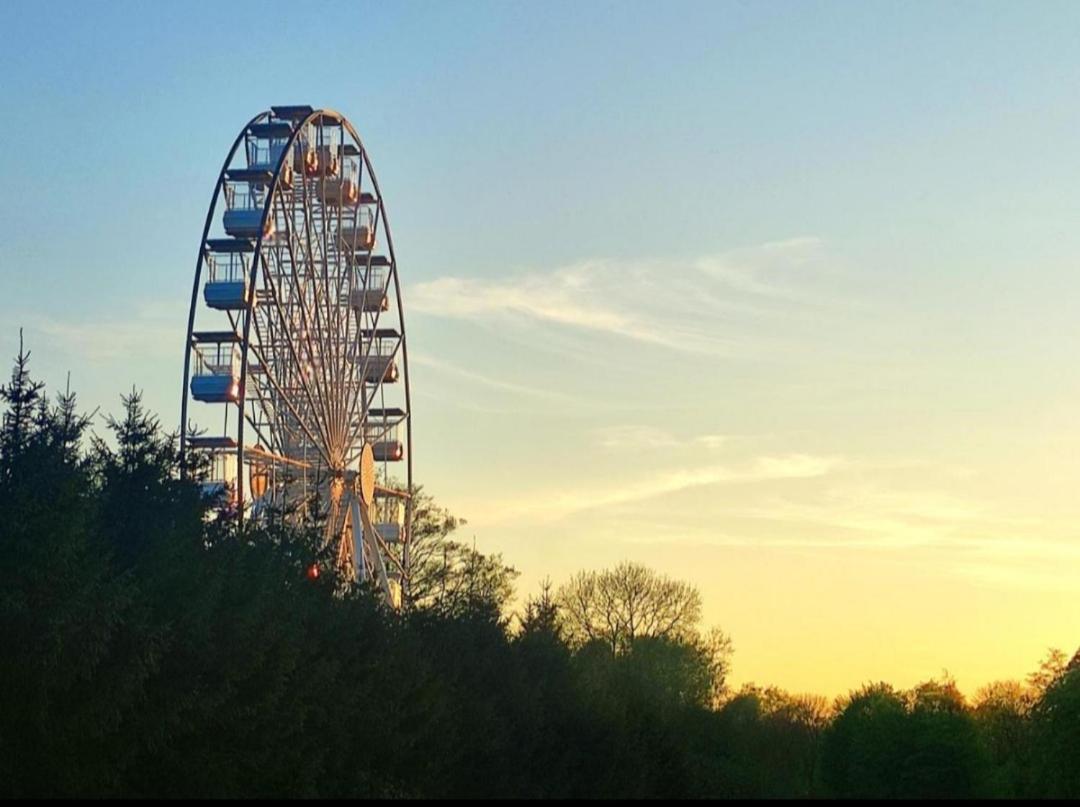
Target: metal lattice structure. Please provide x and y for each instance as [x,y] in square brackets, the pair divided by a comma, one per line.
[295,345]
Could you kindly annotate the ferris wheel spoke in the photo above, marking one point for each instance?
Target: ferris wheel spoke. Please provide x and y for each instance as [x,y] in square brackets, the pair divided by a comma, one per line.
[255,424]
[296,273]
[302,422]
[332,271]
[307,325]
[326,341]
[269,410]
[317,324]
[271,366]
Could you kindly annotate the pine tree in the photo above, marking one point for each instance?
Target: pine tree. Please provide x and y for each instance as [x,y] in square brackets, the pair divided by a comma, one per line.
[75,652]
[23,399]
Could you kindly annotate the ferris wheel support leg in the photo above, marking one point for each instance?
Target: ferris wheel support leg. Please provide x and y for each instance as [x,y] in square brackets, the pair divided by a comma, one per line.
[360,563]
[367,537]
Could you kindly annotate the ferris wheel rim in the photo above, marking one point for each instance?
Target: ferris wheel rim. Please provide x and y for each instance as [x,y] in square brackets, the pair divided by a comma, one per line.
[198,277]
[274,188]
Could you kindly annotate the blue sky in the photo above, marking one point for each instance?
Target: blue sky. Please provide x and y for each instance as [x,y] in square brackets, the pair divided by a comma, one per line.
[778,297]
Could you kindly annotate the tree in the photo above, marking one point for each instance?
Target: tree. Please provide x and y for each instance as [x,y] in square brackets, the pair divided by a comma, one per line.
[917,744]
[469,581]
[715,649]
[541,616]
[1050,670]
[151,651]
[864,746]
[431,527]
[621,605]
[945,758]
[773,742]
[450,575]
[1002,710]
[143,501]
[23,401]
[77,649]
[1056,727]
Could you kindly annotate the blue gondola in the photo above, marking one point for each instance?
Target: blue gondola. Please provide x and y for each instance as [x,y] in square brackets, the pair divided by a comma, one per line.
[229,295]
[245,223]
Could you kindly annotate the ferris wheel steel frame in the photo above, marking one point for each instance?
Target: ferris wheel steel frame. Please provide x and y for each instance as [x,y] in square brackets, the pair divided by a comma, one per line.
[340,438]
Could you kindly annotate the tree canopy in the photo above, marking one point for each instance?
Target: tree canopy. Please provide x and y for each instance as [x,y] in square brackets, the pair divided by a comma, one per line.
[150,649]
[630,602]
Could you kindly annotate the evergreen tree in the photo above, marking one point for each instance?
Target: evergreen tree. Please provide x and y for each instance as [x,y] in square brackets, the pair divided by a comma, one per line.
[22,398]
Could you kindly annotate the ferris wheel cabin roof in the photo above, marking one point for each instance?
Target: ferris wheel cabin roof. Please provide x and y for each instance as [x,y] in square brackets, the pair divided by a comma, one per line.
[387,413]
[215,337]
[202,441]
[230,245]
[293,113]
[279,129]
[376,260]
[258,175]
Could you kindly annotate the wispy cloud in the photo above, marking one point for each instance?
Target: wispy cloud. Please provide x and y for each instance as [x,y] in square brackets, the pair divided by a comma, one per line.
[760,270]
[150,332]
[567,297]
[631,437]
[949,534]
[543,396]
[683,305]
[547,506]
[425,360]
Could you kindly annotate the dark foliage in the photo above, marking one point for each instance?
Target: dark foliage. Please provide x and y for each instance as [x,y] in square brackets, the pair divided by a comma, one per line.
[152,650]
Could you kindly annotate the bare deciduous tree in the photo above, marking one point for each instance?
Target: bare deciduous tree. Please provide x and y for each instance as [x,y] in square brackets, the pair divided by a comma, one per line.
[619,605]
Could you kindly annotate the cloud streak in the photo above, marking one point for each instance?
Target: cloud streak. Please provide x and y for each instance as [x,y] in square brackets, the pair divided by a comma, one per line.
[147,333]
[619,438]
[678,305]
[425,360]
[543,507]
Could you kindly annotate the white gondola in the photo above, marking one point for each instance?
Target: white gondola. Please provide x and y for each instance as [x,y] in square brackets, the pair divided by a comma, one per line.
[226,287]
[383,436]
[370,296]
[388,517]
[317,161]
[377,355]
[378,369]
[339,192]
[219,486]
[244,211]
[359,236]
[265,155]
[329,162]
[266,146]
[216,375]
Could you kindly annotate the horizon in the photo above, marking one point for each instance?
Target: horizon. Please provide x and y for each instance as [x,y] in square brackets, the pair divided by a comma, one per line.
[786,317]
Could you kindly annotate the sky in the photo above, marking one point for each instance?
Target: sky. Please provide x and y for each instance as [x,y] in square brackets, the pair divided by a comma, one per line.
[779,298]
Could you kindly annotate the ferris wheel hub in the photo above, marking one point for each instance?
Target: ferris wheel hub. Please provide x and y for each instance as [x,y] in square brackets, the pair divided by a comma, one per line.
[367,474]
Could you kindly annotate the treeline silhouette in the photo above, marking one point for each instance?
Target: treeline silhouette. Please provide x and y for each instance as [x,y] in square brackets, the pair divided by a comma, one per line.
[148,650]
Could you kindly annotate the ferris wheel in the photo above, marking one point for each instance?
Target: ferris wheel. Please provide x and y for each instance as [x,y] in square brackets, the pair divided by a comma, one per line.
[295,362]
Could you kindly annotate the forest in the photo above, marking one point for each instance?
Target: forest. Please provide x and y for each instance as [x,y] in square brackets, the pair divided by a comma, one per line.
[150,650]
